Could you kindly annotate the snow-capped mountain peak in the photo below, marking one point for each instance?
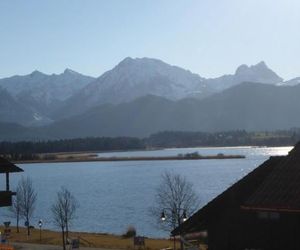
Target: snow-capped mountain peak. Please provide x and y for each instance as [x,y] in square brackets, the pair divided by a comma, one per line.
[259,73]
[255,73]
[41,91]
[134,78]
[37,73]
[70,71]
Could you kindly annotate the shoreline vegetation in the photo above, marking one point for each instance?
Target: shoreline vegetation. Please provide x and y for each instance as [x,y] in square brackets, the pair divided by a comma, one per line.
[92,157]
[63,150]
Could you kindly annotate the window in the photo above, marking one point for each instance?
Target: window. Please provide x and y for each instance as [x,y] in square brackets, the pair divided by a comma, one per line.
[268,215]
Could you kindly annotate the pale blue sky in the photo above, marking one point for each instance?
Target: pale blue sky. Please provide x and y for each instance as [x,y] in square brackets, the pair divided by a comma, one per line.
[209,37]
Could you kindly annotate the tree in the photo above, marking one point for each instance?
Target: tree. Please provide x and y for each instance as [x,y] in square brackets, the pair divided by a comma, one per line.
[63,211]
[16,206]
[175,200]
[175,196]
[27,200]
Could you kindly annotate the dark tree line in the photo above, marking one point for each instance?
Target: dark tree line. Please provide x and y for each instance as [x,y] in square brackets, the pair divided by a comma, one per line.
[29,150]
[228,138]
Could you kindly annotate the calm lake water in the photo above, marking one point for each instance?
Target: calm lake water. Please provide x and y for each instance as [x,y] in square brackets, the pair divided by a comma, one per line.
[114,195]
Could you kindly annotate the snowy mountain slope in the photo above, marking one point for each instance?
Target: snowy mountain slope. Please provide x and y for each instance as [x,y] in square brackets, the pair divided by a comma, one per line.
[255,73]
[41,91]
[133,78]
[12,110]
[292,82]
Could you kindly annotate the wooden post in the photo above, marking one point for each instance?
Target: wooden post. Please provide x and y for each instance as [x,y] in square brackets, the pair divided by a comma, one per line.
[7,181]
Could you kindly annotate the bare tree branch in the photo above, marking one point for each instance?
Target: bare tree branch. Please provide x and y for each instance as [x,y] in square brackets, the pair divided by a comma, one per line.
[15,209]
[63,212]
[27,200]
[175,195]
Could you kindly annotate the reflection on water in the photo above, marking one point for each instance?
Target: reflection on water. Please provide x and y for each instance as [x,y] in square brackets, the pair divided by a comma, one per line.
[113,195]
[203,151]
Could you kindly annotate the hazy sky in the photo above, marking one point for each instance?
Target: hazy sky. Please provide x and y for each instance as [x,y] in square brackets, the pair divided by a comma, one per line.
[209,37]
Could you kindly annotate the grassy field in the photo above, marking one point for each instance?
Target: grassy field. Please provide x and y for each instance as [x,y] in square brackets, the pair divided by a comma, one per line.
[86,239]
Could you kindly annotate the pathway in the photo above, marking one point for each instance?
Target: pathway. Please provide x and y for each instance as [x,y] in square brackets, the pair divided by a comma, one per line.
[26,246]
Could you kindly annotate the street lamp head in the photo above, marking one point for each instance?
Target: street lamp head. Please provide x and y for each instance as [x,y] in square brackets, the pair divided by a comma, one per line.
[163,216]
[184,217]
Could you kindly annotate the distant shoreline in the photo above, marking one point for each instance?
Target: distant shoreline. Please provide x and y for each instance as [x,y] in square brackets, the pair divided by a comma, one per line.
[93,158]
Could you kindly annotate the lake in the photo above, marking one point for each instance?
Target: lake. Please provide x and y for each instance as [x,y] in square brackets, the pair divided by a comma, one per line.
[114,195]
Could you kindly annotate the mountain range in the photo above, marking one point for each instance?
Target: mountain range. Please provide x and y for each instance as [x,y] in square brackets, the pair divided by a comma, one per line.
[143,96]
[42,93]
[248,106]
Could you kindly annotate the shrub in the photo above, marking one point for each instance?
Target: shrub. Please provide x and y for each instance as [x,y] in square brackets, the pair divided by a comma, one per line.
[130,232]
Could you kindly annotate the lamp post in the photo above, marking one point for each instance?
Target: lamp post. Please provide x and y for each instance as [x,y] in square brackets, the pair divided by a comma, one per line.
[175,217]
[40,226]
